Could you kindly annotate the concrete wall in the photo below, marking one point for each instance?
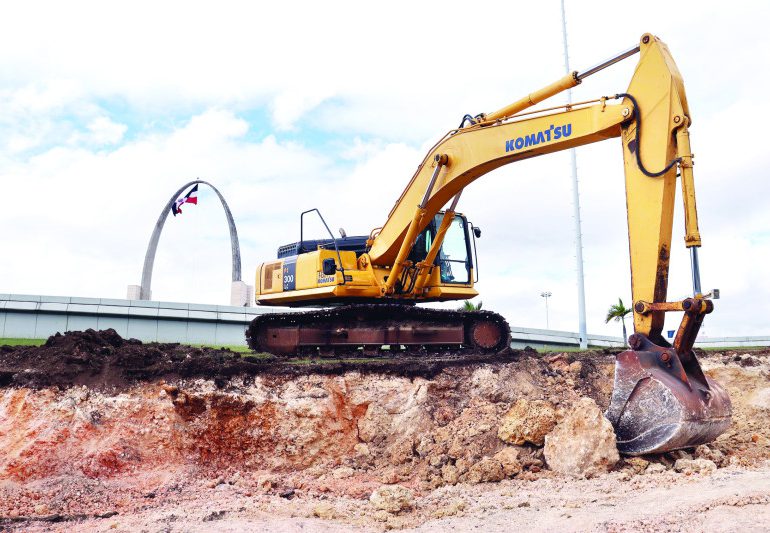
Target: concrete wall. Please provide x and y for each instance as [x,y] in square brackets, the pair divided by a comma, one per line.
[37,317]
[732,342]
[548,338]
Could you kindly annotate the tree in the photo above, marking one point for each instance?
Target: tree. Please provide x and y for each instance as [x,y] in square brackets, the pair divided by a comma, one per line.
[470,306]
[618,312]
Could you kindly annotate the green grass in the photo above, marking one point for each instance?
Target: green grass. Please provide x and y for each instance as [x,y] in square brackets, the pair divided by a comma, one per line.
[22,342]
[232,347]
[569,349]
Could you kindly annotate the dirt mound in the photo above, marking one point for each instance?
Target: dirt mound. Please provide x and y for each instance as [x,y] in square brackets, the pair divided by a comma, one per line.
[104,358]
[101,359]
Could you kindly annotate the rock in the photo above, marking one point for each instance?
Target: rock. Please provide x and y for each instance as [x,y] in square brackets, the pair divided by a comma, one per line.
[265,483]
[695,466]
[528,461]
[463,465]
[637,464]
[374,426]
[655,468]
[41,509]
[215,482]
[392,498]
[488,469]
[583,443]
[509,460]
[559,362]
[575,367]
[451,509]
[214,515]
[443,415]
[362,449]
[402,451]
[325,510]
[705,452]
[438,460]
[680,454]
[425,446]
[343,472]
[449,474]
[748,360]
[390,476]
[527,421]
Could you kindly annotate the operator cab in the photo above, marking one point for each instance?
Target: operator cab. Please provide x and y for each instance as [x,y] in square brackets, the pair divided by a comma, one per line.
[454,257]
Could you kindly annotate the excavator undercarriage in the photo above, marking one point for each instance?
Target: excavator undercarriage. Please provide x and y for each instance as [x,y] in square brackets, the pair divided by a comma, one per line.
[373,329]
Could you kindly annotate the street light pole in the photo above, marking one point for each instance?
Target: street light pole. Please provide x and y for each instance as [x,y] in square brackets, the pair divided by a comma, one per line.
[546,295]
[576,207]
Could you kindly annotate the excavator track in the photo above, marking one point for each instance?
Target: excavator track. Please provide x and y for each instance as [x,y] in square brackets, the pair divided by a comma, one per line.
[367,329]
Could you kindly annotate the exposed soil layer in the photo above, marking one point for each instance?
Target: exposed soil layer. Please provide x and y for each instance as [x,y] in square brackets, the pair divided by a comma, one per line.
[102,433]
[101,359]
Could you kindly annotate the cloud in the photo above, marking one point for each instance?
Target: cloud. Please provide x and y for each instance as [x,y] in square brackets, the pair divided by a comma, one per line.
[100,131]
[286,107]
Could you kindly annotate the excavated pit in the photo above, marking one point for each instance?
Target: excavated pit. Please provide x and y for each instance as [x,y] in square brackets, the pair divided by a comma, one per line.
[92,424]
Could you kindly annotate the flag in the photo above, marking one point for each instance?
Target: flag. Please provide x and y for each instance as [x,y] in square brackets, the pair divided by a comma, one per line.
[189,198]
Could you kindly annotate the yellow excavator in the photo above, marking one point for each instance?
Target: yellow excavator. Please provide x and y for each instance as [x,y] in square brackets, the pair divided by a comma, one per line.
[368,285]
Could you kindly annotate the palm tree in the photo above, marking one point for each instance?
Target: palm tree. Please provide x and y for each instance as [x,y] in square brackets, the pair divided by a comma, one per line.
[470,306]
[618,312]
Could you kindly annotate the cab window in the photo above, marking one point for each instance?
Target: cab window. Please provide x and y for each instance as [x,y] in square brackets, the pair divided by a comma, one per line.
[453,255]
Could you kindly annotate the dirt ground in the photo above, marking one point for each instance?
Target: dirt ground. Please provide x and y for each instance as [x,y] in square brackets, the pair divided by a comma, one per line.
[102,433]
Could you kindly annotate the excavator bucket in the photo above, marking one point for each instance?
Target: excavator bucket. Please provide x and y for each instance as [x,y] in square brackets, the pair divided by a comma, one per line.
[662,401]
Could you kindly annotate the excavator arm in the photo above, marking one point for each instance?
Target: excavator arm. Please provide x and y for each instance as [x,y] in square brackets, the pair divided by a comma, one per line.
[655,99]
[661,399]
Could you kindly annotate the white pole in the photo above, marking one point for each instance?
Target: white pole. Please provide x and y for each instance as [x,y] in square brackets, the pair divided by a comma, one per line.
[576,206]
[546,295]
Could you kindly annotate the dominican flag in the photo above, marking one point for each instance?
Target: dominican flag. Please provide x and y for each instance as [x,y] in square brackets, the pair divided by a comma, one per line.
[189,198]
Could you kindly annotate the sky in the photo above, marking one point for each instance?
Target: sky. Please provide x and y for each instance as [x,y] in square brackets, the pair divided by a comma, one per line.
[107,108]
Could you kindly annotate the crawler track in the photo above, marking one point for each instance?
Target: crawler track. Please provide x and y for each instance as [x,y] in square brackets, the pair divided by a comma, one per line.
[378,329]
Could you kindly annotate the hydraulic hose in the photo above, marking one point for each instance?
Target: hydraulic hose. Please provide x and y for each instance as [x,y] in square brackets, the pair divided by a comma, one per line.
[638,118]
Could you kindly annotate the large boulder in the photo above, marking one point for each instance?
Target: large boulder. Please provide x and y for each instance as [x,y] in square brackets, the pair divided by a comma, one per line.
[527,421]
[583,443]
[509,460]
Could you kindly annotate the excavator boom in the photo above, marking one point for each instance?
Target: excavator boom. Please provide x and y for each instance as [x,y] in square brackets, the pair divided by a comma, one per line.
[661,400]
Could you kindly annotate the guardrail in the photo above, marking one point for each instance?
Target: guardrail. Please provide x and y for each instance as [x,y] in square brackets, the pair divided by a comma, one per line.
[37,317]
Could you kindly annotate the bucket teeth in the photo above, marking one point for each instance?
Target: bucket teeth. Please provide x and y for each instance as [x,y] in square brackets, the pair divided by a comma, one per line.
[663,402]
